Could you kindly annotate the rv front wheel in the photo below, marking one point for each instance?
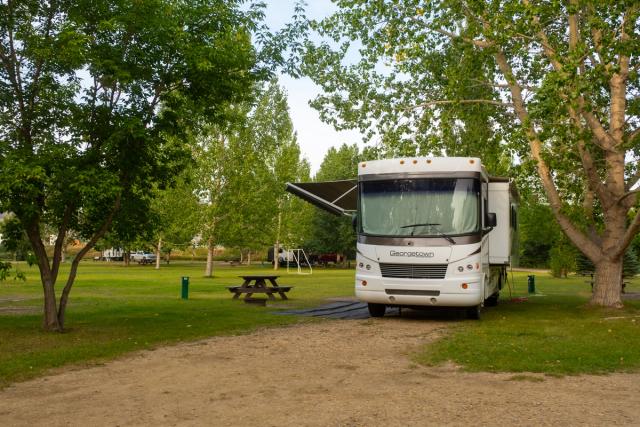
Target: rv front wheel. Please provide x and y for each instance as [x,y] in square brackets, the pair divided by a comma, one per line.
[377,310]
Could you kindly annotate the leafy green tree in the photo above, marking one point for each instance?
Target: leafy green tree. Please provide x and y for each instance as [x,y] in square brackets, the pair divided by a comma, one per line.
[554,83]
[90,93]
[133,226]
[631,266]
[174,210]
[224,180]
[539,233]
[562,259]
[330,233]
[15,240]
[279,159]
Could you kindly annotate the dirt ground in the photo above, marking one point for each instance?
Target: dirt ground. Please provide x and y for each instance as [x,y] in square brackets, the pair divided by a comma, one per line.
[332,373]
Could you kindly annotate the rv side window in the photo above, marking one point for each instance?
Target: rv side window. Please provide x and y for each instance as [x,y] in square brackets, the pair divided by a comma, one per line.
[485,204]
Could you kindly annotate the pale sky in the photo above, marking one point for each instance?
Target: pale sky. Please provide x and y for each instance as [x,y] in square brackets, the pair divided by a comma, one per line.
[314,136]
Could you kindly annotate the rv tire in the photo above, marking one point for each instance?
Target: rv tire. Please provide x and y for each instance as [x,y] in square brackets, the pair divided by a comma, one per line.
[376,310]
[474,312]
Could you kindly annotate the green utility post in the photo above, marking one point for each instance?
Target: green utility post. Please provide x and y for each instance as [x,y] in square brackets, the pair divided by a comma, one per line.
[531,284]
[185,287]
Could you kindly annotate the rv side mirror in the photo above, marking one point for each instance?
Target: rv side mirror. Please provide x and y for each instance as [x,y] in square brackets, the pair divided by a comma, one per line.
[354,223]
[491,219]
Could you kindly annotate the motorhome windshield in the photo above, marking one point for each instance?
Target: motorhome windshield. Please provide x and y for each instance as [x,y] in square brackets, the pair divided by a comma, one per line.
[420,207]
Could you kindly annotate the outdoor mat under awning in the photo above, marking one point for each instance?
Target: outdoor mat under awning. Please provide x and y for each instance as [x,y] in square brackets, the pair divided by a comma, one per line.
[336,197]
[340,310]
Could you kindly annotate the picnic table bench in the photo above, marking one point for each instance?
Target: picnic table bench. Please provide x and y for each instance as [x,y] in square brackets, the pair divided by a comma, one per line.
[592,282]
[258,284]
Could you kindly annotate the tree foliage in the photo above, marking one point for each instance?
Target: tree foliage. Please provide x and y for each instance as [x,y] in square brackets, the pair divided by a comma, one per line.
[281,215]
[330,233]
[242,170]
[90,93]
[552,85]
[224,178]
[174,215]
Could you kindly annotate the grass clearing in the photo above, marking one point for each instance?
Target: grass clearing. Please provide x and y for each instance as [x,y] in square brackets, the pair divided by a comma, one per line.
[115,309]
[552,333]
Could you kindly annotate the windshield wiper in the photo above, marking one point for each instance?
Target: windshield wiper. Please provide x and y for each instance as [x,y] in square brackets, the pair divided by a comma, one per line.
[435,227]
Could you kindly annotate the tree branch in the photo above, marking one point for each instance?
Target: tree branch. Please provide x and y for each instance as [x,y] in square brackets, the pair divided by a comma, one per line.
[9,59]
[39,64]
[618,88]
[64,297]
[460,101]
[576,236]
[605,140]
[633,180]
[592,175]
[629,194]
[57,249]
[479,43]
[12,52]
[629,235]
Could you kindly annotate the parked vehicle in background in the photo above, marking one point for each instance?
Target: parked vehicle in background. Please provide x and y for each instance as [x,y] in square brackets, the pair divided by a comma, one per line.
[329,258]
[112,254]
[142,257]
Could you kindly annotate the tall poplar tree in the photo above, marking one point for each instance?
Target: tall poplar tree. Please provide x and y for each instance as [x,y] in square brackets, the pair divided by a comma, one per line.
[330,233]
[280,162]
[554,84]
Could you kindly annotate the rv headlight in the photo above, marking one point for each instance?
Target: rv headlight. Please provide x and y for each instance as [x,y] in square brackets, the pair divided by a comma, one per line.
[461,269]
[368,267]
[361,265]
[469,267]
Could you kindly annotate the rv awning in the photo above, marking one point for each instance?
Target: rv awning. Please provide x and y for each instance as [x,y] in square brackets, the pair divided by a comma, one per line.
[336,197]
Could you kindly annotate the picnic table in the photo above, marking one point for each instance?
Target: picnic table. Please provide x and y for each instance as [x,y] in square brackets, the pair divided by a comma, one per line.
[258,284]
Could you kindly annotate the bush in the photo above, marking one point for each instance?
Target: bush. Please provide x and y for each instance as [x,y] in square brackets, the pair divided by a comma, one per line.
[630,264]
[563,260]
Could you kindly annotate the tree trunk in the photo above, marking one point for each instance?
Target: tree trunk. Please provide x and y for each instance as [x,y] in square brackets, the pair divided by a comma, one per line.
[607,287]
[249,257]
[126,258]
[276,252]
[209,268]
[50,319]
[158,253]
[276,256]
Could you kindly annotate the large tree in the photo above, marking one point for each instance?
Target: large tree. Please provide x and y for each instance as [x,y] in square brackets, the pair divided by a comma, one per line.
[174,212]
[557,83]
[89,92]
[278,154]
[330,233]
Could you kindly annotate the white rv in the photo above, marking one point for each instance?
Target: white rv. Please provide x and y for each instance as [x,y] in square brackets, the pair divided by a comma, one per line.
[431,231]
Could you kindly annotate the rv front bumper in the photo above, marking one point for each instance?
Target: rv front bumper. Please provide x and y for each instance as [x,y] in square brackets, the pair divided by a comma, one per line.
[457,292]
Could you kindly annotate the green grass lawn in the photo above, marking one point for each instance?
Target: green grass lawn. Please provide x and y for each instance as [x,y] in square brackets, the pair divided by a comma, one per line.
[115,309]
[553,333]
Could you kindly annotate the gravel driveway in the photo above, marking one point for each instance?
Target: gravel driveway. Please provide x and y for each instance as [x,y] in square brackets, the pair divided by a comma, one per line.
[329,373]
